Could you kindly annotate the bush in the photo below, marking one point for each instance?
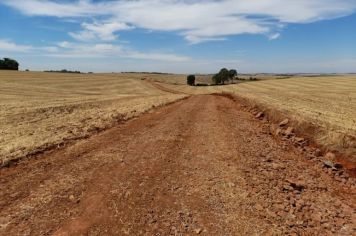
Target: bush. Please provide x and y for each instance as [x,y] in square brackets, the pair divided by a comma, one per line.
[191,80]
[9,64]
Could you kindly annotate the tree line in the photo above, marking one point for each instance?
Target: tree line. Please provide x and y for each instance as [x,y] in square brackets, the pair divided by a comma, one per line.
[8,64]
[223,76]
[63,71]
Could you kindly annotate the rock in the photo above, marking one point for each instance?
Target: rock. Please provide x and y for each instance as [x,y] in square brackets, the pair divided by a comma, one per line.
[289,131]
[71,198]
[278,131]
[198,231]
[338,165]
[259,115]
[296,185]
[328,164]
[299,140]
[284,122]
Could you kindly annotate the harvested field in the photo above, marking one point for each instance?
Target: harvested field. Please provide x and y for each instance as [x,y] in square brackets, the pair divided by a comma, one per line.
[328,103]
[321,107]
[42,110]
[203,165]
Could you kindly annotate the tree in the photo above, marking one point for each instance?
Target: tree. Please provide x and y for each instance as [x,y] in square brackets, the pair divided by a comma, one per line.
[191,80]
[216,79]
[224,75]
[232,74]
[9,64]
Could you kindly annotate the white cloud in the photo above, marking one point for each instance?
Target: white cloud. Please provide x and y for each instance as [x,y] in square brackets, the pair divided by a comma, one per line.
[156,56]
[104,31]
[52,8]
[8,46]
[197,39]
[196,21]
[67,49]
[274,36]
[89,50]
[83,35]
[65,44]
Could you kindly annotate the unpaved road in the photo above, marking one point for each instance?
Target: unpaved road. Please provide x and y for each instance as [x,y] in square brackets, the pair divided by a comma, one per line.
[199,166]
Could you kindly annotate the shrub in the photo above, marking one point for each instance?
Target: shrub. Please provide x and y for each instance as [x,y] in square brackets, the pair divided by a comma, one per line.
[191,80]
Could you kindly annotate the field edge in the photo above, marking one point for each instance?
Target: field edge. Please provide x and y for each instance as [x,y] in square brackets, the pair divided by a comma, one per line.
[308,130]
[72,140]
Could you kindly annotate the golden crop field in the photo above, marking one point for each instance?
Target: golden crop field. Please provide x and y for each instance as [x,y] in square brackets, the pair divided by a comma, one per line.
[39,110]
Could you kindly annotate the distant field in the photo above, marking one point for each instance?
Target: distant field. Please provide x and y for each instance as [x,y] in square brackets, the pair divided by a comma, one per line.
[39,110]
[328,102]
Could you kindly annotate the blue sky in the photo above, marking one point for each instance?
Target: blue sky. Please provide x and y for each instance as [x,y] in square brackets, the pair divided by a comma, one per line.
[181,36]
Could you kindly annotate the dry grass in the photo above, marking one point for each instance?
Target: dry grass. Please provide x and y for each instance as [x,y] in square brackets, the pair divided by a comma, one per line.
[328,103]
[40,110]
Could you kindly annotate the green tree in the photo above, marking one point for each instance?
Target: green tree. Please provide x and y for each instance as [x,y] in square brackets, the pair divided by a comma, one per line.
[191,80]
[216,79]
[232,74]
[9,64]
[224,75]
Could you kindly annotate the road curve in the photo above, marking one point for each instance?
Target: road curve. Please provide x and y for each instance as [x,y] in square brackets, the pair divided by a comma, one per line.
[199,166]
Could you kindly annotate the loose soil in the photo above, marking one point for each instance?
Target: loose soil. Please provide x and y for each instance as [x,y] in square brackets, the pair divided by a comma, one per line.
[199,166]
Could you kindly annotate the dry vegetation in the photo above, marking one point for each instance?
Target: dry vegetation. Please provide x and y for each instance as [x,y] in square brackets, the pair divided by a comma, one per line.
[41,110]
[327,103]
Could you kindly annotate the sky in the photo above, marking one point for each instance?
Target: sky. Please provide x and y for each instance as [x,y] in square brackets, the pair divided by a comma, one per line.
[180,36]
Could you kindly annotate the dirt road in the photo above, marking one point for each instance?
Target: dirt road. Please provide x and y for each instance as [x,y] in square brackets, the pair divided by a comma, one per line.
[199,166]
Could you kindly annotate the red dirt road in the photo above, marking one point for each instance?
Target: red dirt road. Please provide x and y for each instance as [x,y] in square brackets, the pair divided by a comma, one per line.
[199,166]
